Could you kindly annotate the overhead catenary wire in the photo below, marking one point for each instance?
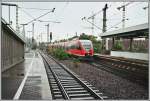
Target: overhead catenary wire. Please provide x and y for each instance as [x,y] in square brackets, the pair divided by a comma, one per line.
[49,21]
[97,13]
[40,16]
[34,8]
[28,14]
[39,20]
[84,18]
[62,11]
[127,4]
[128,7]
[113,26]
[92,17]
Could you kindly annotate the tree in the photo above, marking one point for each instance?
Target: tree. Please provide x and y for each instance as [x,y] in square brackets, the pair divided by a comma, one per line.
[96,44]
[88,37]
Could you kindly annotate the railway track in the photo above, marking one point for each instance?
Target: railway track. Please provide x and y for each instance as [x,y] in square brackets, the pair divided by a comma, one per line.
[124,68]
[65,84]
[137,64]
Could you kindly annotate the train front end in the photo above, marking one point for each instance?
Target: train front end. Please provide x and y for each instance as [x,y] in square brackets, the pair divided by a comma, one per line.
[87,47]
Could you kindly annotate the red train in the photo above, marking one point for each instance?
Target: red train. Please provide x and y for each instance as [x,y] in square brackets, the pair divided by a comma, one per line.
[76,47]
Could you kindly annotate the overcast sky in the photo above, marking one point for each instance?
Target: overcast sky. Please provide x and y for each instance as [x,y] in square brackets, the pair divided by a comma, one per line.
[70,15]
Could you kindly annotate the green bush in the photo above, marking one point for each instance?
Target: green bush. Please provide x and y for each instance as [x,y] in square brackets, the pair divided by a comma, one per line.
[117,46]
[59,53]
[97,47]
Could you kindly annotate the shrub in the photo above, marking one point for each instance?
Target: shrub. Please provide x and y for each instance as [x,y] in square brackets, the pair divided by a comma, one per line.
[59,53]
[117,46]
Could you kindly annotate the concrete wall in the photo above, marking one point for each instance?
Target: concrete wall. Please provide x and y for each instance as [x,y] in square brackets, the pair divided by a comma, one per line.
[141,56]
[12,49]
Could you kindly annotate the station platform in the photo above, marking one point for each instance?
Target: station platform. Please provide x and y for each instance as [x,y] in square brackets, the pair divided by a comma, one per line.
[26,80]
[120,57]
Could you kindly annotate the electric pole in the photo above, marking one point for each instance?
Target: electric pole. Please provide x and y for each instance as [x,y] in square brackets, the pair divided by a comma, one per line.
[93,17]
[17,25]
[23,31]
[47,32]
[8,4]
[76,34]
[32,32]
[123,13]
[50,37]
[105,41]
[104,18]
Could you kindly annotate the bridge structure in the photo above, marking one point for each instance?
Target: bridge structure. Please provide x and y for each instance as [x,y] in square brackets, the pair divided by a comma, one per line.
[12,47]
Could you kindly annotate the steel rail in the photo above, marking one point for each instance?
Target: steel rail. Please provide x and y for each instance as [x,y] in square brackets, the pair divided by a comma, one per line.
[133,76]
[69,86]
[96,96]
[65,95]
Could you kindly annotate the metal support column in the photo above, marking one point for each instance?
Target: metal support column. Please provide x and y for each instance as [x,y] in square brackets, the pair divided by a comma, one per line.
[32,32]
[17,25]
[113,42]
[104,25]
[131,41]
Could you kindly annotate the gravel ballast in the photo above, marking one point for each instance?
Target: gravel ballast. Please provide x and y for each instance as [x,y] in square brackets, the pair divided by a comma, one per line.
[111,85]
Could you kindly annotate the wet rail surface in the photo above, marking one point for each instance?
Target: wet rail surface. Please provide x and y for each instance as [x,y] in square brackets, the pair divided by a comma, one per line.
[67,85]
[135,71]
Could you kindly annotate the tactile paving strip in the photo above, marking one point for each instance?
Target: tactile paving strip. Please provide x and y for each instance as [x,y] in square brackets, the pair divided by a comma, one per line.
[32,89]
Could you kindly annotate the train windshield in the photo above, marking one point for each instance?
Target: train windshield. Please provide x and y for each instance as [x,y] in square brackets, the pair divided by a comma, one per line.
[87,45]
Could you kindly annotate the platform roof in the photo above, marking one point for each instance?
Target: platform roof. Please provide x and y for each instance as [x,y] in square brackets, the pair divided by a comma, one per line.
[11,30]
[133,31]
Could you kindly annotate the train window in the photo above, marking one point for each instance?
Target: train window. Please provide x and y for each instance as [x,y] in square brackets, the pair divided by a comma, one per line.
[87,45]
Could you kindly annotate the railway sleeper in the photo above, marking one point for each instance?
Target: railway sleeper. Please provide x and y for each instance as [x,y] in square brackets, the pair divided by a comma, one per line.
[52,80]
[87,98]
[67,78]
[77,92]
[53,83]
[73,86]
[64,75]
[74,89]
[56,89]
[72,80]
[58,92]
[68,81]
[80,95]
[58,96]
[61,71]
[68,84]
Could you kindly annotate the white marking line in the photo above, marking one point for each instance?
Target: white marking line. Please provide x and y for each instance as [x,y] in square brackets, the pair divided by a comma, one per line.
[18,93]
